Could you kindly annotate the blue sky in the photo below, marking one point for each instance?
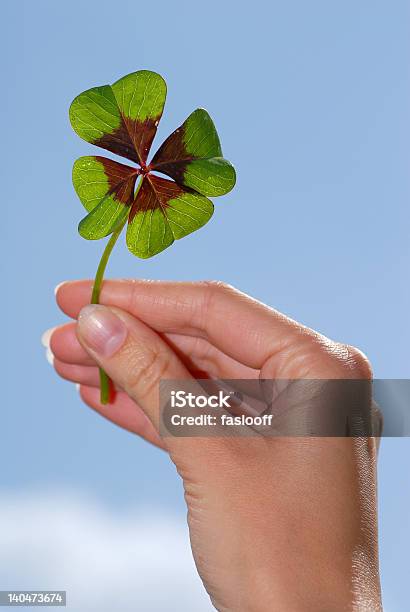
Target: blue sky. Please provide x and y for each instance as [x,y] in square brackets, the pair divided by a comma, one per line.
[311,100]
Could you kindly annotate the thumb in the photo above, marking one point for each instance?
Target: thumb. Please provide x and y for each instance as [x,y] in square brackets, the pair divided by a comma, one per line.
[131,353]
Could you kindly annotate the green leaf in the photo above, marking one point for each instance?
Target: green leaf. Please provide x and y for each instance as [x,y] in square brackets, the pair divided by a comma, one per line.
[192,156]
[163,212]
[141,98]
[101,221]
[106,189]
[121,118]
[94,177]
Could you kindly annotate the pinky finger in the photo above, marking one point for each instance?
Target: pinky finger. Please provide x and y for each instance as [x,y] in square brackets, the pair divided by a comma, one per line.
[124,412]
[82,375]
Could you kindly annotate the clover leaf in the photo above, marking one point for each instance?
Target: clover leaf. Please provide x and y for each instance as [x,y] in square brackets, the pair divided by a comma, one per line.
[123,119]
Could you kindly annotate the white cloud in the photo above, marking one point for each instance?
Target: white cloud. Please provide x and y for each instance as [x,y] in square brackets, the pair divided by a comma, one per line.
[105,561]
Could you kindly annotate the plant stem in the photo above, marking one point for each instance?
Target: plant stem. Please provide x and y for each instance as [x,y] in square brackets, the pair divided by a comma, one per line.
[95,296]
[106,384]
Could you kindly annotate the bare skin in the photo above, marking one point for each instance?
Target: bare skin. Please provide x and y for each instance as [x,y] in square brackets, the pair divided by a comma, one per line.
[276,524]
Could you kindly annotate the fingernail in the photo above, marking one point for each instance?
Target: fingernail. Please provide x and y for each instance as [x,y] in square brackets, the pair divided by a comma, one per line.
[77,387]
[49,356]
[58,287]
[46,337]
[101,330]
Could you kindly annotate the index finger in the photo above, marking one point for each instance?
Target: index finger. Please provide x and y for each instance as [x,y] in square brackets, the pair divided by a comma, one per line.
[237,324]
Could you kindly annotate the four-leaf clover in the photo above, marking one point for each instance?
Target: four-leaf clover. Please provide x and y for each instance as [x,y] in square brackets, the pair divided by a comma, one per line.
[123,119]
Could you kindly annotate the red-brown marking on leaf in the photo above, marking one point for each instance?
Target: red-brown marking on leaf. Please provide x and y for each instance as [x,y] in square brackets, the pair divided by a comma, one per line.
[155,192]
[133,139]
[121,179]
[172,157]
[172,149]
[118,142]
[142,134]
[175,170]
[125,191]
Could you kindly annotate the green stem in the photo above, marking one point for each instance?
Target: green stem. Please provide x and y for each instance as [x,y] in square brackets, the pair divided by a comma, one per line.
[106,385]
[99,277]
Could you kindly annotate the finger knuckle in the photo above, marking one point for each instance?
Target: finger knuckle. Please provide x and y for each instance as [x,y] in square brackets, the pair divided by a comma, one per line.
[212,290]
[357,362]
[344,360]
[218,286]
[135,296]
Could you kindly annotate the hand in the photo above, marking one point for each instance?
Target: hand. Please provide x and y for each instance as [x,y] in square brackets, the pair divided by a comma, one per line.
[285,524]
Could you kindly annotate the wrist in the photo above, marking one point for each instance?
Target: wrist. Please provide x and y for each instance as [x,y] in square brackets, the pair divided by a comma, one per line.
[305,588]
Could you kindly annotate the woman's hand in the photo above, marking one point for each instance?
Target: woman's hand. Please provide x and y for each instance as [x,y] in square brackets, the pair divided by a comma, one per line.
[285,524]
